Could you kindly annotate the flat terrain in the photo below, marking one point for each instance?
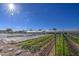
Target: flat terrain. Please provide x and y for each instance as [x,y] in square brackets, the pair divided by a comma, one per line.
[17,37]
[9,44]
[63,44]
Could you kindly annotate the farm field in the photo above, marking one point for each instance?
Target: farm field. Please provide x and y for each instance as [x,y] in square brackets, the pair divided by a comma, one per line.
[61,46]
[58,44]
[72,44]
[39,29]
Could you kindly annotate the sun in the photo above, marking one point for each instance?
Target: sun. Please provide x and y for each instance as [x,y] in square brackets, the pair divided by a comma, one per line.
[11,8]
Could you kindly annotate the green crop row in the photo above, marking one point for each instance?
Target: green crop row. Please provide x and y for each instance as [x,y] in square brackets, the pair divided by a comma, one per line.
[61,46]
[74,38]
[35,44]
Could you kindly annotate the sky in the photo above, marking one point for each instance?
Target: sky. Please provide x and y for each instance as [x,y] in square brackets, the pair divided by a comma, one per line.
[39,16]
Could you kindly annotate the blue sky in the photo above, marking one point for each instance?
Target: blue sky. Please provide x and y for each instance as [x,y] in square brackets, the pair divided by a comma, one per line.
[40,16]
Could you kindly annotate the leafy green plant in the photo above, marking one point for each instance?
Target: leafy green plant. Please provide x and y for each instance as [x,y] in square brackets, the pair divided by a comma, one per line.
[35,44]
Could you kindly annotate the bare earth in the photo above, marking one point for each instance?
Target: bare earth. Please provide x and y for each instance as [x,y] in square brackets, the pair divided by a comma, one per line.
[11,46]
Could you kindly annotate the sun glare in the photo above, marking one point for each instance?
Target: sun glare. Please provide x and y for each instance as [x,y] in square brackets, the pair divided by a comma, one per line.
[11,8]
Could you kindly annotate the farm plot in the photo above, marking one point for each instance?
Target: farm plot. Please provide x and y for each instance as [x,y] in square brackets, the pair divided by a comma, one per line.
[29,47]
[61,46]
[74,38]
[35,45]
[73,45]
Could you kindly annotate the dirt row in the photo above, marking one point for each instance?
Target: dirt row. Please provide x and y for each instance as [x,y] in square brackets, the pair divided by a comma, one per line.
[73,47]
[47,49]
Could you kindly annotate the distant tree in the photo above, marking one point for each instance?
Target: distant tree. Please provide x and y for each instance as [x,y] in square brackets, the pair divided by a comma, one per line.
[23,31]
[44,31]
[31,30]
[9,30]
[54,29]
[39,29]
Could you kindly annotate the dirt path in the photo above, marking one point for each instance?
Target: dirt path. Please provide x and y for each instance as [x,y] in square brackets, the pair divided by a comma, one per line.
[52,52]
[46,50]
